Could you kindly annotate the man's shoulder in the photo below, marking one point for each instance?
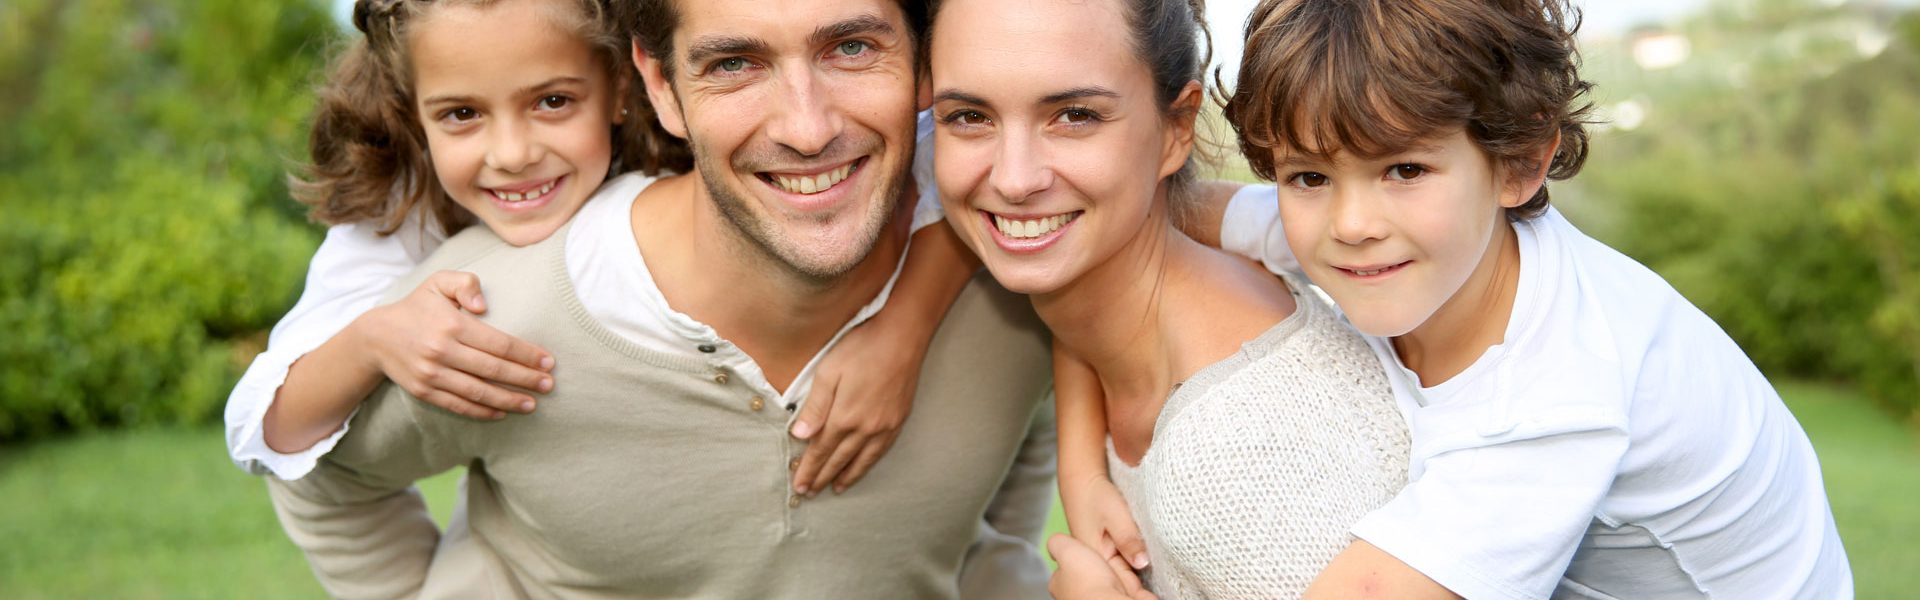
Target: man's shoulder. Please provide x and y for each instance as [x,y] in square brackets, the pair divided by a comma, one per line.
[480,251]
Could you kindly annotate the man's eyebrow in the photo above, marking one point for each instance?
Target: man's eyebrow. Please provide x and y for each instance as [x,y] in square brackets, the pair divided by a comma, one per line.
[723,45]
[959,96]
[854,26]
[1078,93]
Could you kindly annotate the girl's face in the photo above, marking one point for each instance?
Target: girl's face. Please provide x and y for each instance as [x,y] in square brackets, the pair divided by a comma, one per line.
[1395,240]
[1049,144]
[518,113]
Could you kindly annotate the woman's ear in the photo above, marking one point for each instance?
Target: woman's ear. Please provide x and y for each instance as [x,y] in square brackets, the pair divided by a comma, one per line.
[660,92]
[1520,187]
[1178,141]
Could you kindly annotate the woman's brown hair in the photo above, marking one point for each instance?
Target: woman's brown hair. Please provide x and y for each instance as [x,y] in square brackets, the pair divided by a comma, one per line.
[368,153]
[1372,77]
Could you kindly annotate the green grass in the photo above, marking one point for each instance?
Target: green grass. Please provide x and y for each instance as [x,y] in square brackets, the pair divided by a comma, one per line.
[161,514]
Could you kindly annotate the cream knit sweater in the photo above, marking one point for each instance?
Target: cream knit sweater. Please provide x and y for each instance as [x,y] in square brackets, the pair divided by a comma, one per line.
[1260,463]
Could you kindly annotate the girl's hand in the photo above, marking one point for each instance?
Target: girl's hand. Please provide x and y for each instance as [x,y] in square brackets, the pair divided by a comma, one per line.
[430,344]
[1084,575]
[860,398]
[1099,518]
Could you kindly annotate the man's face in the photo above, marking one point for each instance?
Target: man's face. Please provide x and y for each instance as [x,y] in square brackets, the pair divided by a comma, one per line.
[800,114]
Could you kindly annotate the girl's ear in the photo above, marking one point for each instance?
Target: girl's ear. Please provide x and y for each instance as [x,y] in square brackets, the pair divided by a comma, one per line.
[660,92]
[1520,187]
[1178,142]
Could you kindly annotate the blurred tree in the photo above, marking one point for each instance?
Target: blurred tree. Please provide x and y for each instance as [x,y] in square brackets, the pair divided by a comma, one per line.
[149,226]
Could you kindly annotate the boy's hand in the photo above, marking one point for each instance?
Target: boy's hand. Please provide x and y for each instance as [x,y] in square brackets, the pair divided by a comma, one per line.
[1083,574]
[432,346]
[861,397]
[1099,518]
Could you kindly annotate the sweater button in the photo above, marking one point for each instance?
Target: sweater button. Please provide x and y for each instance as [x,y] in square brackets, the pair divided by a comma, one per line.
[720,377]
[793,501]
[793,465]
[756,404]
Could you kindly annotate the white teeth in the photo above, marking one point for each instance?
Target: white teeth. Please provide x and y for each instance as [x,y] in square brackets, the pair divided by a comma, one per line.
[812,185]
[1025,229]
[528,195]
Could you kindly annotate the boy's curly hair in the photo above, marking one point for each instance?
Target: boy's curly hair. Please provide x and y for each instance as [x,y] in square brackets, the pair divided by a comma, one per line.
[1371,77]
[368,152]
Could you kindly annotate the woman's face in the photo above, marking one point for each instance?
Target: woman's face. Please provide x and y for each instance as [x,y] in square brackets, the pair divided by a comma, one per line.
[1049,143]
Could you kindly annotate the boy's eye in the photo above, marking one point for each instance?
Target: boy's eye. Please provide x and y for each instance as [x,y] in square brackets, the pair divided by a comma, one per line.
[1308,180]
[851,48]
[554,102]
[1406,171]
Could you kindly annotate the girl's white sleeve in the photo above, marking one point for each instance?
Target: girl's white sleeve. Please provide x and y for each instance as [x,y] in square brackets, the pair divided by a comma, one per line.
[350,272]
[1250,227]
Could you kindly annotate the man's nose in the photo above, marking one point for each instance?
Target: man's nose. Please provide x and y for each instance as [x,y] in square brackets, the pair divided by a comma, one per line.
[805,118]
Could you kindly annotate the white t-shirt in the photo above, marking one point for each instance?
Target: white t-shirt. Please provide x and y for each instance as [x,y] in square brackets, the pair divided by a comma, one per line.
[355,266]
[1617,444]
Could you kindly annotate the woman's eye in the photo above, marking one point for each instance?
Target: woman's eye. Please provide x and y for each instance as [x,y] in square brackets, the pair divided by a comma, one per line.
[1076,116]
[851,48]
[731,65]
[1308,180]
[1406,171]
[967,117]
[555,102]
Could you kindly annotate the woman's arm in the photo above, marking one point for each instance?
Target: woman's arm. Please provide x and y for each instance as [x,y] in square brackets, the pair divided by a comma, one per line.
[865,387]
[1097,515]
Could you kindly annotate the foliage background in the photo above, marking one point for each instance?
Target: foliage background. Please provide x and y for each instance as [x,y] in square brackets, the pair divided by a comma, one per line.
[148,244]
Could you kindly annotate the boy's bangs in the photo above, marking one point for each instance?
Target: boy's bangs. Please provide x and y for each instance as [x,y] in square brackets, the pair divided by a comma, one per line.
[1337,82]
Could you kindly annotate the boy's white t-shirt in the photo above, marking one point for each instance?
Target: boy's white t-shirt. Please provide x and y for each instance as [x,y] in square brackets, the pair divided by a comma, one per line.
[355,265]
[1616,444]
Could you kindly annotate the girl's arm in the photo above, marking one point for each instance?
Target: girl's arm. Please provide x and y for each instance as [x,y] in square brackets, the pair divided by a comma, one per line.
[1097,515]
[866,383]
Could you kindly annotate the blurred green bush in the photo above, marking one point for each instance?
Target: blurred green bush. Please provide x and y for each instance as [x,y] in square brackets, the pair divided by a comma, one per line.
[1773,181]
[148,237]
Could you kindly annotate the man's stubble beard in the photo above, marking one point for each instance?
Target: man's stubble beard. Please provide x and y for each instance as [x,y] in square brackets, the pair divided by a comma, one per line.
[771,245]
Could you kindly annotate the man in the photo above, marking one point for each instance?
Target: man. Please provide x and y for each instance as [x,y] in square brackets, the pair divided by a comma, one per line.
[667,474]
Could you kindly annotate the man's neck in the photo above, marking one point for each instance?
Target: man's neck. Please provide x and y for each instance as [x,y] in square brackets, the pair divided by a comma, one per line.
[708,270]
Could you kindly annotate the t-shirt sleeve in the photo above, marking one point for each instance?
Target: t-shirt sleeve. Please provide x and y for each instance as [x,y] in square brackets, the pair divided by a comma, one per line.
[353,267]
[1497,512]
[1250,227]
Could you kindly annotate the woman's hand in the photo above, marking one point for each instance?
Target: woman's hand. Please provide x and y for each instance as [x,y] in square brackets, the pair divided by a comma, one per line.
[1084,575]
[432,346]
[861,396]
[1098,517]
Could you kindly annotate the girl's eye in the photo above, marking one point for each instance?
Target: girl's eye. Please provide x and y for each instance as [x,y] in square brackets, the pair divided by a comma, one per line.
[967,118]
[731,65]
[1406,171]
[851,48]
[555,102]
[1308,180]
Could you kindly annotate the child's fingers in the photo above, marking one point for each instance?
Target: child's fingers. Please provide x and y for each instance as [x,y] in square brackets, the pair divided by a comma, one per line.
[875,448]
[849,447]
[1129,581]
[460,406]
[461,287]
[492,369]
[819,405]
[498,343]
[466,387]
[818,451]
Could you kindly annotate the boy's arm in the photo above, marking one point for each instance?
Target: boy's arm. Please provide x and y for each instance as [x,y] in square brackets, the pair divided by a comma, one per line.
[1097,514]
[1243,219]
[866,383]
[1201,219]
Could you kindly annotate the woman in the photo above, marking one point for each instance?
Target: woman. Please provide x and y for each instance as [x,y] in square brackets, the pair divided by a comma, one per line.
[1249,427]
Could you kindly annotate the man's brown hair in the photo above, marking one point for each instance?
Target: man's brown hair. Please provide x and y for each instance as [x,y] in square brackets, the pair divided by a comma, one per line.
[1373,77]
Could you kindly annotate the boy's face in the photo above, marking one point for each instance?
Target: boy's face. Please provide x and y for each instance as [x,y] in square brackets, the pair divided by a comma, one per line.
[518,125]
[1394,240]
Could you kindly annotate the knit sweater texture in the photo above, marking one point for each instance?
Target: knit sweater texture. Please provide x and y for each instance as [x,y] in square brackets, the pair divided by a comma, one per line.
[1261,463]
[644,475]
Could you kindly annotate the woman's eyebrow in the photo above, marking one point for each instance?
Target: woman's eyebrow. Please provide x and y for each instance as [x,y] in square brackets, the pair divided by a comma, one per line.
[1078,93]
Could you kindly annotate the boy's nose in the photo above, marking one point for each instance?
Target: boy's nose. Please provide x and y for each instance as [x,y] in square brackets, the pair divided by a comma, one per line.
[1356,217]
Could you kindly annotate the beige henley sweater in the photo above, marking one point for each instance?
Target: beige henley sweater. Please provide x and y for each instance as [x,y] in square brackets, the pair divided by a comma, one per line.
[646,475]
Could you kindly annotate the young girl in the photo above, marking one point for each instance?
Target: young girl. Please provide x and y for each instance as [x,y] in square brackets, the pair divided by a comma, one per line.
[1579,429]
[423,130]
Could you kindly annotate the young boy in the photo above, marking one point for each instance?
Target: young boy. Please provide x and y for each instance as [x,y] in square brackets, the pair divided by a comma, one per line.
[1579,428]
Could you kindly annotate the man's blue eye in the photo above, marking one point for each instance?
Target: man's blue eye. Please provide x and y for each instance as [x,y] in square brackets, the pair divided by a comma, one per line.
[852,48]
[733,65]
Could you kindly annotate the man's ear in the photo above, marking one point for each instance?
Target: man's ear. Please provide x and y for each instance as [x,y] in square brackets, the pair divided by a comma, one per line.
[1178,142]
[1520,187]
[659,92]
